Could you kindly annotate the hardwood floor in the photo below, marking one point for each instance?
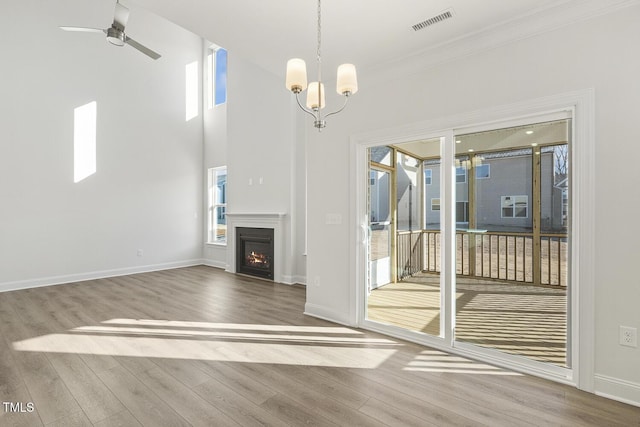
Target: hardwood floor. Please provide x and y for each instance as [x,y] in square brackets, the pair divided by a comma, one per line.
[198,346]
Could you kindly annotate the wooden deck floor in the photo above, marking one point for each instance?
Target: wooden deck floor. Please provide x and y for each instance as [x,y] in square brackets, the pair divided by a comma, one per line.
[201,347]
[514,318]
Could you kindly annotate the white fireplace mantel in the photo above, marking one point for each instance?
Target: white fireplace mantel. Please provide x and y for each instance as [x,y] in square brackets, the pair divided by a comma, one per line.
[274,220]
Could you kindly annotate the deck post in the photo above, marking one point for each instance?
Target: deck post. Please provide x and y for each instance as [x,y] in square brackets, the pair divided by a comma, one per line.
[536,208]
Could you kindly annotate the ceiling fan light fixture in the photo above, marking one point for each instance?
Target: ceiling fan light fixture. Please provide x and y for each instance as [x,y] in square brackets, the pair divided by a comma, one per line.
[116,33]
[115,36]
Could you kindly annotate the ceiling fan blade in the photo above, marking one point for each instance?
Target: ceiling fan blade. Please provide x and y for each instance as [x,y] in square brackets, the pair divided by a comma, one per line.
[120,16]
[83,29]
[134,44]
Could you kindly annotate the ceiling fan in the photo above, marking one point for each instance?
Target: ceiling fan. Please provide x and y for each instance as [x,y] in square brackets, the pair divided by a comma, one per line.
[115,34]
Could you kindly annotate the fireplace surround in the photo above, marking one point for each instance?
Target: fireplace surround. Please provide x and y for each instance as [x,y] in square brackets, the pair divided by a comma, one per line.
[277,221]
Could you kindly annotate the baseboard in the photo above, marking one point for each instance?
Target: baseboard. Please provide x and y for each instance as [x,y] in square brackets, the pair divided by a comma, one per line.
[617,389]
[213,263]
[326,314]
[93,275]
[300,280]
[293,280]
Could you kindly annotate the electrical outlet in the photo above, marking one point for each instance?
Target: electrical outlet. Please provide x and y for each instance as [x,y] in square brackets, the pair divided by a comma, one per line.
[628,336]
[140,252]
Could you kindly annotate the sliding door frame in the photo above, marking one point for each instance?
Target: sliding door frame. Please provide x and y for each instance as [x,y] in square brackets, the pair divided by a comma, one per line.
[580,107]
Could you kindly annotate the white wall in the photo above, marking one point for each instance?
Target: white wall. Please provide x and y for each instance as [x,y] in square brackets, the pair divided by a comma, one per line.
[146,193]
[599,54]
[256,138]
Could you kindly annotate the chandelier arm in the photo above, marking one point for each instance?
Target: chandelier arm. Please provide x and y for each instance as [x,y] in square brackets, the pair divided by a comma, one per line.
[346,99]
[311,113]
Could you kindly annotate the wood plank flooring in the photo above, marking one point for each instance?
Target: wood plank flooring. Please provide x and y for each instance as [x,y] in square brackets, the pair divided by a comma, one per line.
[201,347]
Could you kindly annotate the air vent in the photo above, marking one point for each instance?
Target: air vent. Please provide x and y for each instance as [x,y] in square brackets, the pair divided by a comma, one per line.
[433,20]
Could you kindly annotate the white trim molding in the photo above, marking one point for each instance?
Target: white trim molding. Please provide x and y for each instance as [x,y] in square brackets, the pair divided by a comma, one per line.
[617,389]
[544,19]
[215,264]
[93,275]
[324,313]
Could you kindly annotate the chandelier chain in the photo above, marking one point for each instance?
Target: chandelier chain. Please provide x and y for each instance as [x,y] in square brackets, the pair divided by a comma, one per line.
[318,52]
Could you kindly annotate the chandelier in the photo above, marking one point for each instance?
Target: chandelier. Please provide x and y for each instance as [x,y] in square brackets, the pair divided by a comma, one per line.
[296,81]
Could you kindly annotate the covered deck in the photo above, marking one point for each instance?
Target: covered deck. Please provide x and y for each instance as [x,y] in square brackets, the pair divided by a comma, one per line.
[515,318]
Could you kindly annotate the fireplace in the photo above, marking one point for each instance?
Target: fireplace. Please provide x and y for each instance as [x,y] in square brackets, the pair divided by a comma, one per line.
[254,251]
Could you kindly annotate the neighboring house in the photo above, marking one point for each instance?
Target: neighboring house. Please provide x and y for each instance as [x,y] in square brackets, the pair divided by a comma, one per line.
[503,192]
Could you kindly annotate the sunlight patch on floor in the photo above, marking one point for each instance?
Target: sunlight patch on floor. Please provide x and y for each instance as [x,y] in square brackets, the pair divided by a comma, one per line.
[229,342]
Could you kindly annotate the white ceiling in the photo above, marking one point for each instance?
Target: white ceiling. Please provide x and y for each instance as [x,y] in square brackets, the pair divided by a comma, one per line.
[367,33]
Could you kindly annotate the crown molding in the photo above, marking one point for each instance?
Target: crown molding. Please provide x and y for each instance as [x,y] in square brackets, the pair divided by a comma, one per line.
[534,23]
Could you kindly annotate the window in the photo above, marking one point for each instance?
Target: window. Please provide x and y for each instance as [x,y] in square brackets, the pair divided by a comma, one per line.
[217,76]
[461,174]
[515,206]
[435,204]
[483,171]
[217,205]
[427,176]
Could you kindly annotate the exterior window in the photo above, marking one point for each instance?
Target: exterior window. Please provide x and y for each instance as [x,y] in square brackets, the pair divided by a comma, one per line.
[427,176]
[515,206]
[483,171]
[461,174]
[217,205]
[435,204]
[217,76]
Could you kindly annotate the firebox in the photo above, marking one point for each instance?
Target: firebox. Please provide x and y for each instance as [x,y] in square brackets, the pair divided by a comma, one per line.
[254,251]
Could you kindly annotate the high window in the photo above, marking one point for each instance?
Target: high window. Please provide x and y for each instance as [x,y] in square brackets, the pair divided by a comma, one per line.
[217,205]
[216,76]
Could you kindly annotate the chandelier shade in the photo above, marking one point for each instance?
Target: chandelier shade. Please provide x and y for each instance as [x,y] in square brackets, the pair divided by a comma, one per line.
[315,91]
[296,75]
[347,80]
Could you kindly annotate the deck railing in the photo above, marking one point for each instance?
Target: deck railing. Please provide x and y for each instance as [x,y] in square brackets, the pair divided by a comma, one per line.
[492,255]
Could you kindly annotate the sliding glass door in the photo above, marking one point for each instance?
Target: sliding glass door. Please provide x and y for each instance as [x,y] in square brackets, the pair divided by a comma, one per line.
[411,297]
[470,248]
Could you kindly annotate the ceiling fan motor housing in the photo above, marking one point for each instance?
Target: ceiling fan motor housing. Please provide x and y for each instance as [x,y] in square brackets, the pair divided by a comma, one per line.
[115,36]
